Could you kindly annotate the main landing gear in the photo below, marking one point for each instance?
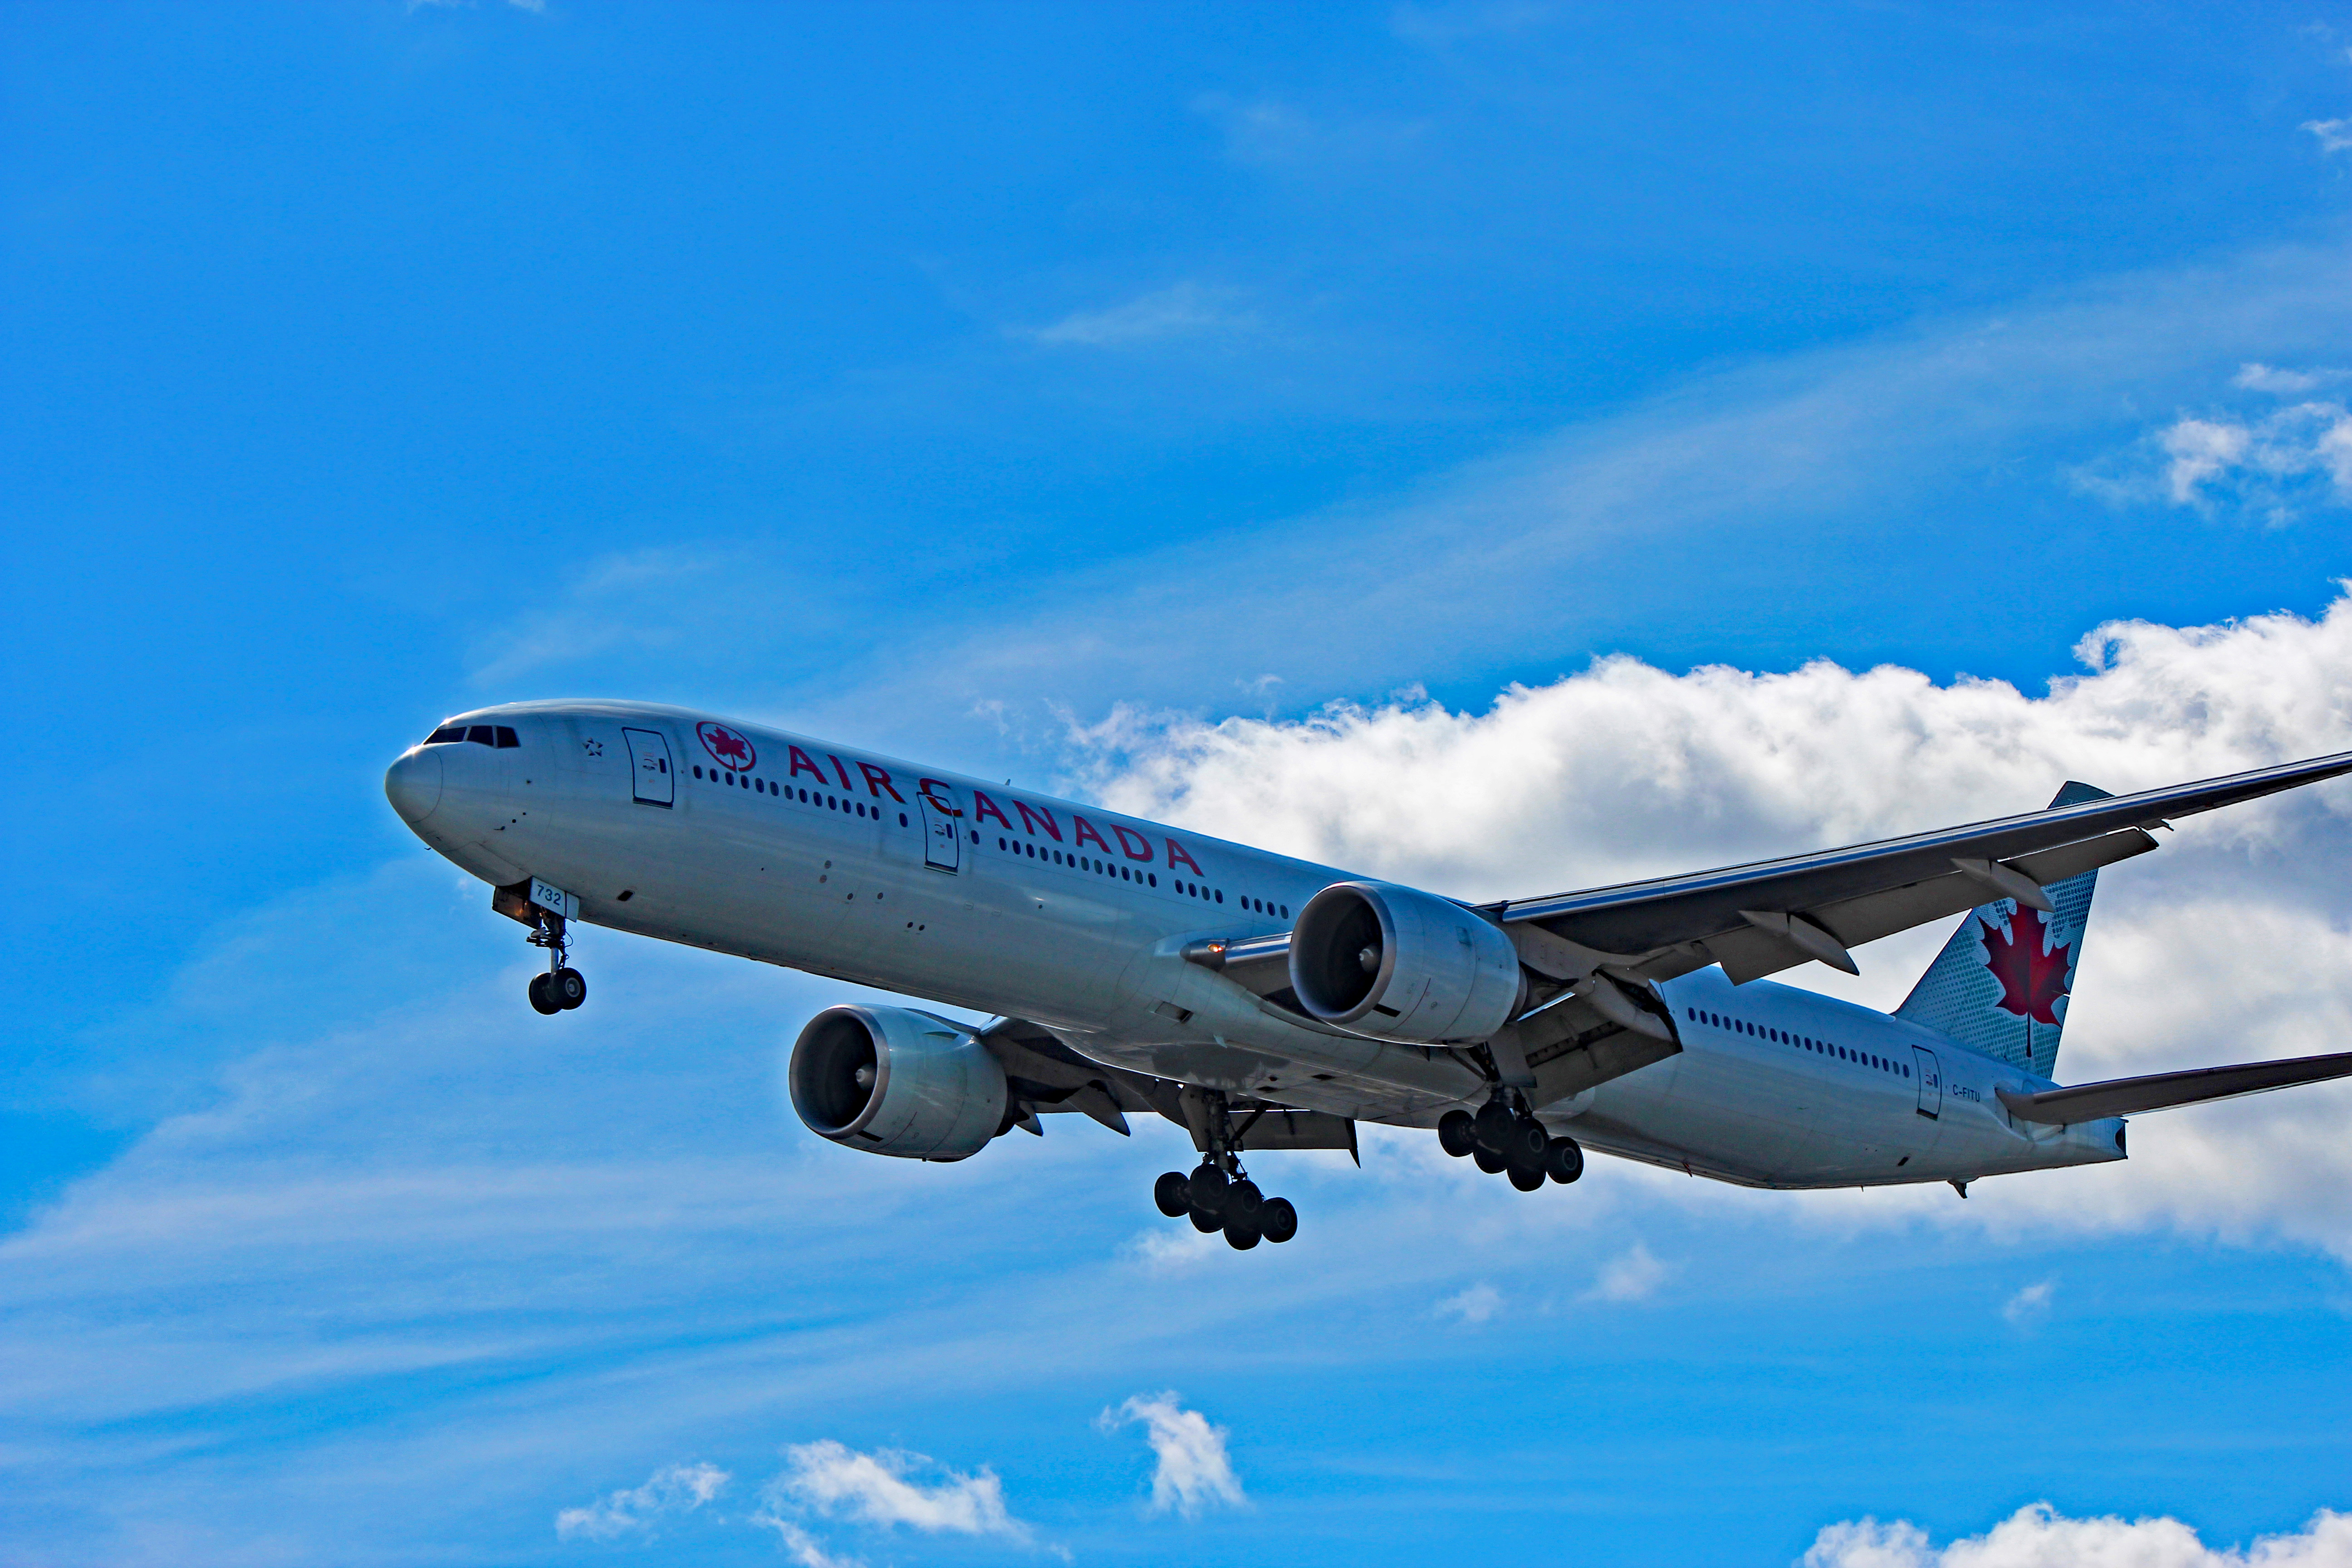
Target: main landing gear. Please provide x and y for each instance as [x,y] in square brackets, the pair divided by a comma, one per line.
[561,987]
[1218,1196]
[1504,1138]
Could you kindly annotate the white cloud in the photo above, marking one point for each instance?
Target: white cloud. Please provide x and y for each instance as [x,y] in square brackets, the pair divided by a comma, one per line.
[1192,1471]
[674,1489]
[1476,1304]
[2029,1306]
[806,1549]
[2256,377]
[1626,771]
[1181,310]
[1172,1249]
[2276,464]
[2334,135]
[2038,1536]
[1635,1277]
[835,1481]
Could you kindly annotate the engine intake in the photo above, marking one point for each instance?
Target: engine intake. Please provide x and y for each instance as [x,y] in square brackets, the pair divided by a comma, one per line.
[1400,964]
[890,1080]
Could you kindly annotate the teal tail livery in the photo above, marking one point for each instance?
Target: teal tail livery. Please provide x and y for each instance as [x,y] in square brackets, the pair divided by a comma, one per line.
[2000,985]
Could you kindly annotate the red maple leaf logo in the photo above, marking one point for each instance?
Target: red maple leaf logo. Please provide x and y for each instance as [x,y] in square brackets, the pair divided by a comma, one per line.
[2031,980]
[725,747]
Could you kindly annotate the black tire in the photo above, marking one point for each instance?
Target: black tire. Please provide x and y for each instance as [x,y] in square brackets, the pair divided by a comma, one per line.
[1487,1160]
[541,1000]
[1457,1132]
[1526,1178]
[1173,1193]
[1529,1140]
[1206,1191]
[570,988]
[1239,1237]
[1242,1201]
[1278,1221]
[1493,1123]
[1206,1224]
[1564,1160]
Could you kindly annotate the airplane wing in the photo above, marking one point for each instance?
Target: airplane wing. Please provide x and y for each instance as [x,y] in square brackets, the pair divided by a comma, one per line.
[2129,1096]
[1770,915]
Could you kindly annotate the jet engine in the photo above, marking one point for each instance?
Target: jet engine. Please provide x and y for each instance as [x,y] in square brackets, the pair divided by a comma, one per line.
[1400,964]
[890,1080]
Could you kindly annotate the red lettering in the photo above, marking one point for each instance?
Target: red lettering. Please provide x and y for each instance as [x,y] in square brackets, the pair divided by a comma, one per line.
[838,768]
[801,760]
[983,808]
[1029,822]
[939,803]
[1082,830]
[1176,853]
[1135,846]
[877,781]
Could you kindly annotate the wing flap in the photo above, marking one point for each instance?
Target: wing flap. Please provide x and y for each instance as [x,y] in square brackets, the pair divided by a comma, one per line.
[2161,1091]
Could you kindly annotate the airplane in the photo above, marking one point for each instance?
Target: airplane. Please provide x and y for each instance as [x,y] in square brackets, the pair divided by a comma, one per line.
[1265,1002]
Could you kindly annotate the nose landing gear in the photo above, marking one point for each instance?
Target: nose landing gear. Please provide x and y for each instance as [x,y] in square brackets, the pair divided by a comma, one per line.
[1218,1196]
[561,987]
[1505,1139]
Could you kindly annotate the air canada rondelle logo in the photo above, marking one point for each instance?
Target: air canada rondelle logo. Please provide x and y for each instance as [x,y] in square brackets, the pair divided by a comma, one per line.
[728,749]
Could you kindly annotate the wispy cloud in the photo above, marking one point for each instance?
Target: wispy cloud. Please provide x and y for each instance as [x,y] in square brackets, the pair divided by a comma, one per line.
[2276,464]
[634,1510]
[2254,377]
[2334,135]
[1635,1277]
[1181,310]
[833,1481]
[2038,1536]
[2029,1306]
[1191,1470]
[1476,1304]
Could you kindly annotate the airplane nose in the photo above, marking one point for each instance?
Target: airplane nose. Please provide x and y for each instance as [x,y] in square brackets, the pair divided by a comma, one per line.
[412,784]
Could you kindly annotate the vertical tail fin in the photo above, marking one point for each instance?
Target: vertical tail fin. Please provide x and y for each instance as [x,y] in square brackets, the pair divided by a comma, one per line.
[2001,983]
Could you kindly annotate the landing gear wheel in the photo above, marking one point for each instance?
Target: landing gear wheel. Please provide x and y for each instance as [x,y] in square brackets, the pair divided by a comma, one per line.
[1487,1160]
[1493,1123]
[1173,1193]
[1243,1202]
[1563,1160]
[1525,1179]
[1457,1133]
[1206,1224]
[542,998]
[1278,1221]
[568,987]
[1239,1237]
[1206,1192]
[1528,1143]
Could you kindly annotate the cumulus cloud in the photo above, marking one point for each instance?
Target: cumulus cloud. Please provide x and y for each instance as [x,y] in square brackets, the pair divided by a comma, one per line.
[2038,1536]
[833,1481]
[1635,1277]
[1181,310]
[2029,1306]
[674,1489]
[1191,1471]
[2233,943]
[1476,1304]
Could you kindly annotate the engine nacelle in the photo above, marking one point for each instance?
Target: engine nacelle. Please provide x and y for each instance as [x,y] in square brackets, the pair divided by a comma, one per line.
[1401,964]
[890,1080]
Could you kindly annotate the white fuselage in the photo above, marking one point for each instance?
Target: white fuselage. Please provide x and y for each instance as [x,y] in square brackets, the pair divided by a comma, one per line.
[1000,900]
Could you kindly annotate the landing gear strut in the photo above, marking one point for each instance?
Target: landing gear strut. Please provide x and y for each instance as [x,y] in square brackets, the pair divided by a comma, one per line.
[561,987]
[1505,1139]
[1220,1197]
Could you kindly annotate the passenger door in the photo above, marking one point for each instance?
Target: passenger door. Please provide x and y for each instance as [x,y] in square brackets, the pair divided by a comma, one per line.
[943,821]
[652,781]
[1931,1082]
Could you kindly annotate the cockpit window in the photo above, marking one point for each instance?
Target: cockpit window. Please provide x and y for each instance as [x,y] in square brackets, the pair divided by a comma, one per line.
[501,736]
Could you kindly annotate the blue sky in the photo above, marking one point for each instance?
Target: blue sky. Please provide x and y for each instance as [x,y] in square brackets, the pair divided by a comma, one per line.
[1097,395]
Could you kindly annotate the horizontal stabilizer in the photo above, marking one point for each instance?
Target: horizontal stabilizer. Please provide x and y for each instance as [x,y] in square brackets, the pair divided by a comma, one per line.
[2129,1096]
